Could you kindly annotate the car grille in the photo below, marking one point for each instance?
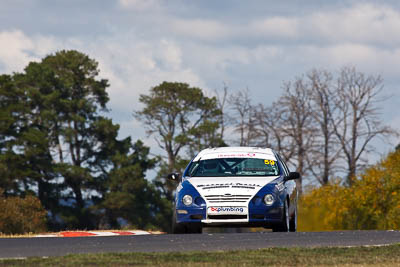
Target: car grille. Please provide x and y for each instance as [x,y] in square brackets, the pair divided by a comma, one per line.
[227,217]
[227,198]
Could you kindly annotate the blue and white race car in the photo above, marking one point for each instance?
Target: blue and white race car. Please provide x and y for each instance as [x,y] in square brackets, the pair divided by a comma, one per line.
[235,187]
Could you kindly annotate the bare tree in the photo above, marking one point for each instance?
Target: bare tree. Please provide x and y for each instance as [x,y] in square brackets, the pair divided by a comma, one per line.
[325,152]
[298,124]
[243,117]
[264,126]
[269,127]
[356,99]
[320,124]
[222,102]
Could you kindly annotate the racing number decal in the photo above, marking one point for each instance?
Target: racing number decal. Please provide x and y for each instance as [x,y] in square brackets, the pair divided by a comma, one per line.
[268,162]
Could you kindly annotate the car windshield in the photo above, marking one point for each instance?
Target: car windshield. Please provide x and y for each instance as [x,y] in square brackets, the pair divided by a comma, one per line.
[233,167]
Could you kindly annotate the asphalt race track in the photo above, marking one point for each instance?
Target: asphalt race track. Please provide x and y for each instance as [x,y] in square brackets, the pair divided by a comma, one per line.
[57,246]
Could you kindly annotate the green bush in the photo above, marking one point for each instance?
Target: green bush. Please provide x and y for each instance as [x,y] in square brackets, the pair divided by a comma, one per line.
[21,215]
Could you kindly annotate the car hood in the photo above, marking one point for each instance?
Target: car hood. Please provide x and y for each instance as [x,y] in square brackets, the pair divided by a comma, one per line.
[229,188]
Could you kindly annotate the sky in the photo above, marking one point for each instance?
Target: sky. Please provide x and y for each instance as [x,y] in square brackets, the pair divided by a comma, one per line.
[254,44]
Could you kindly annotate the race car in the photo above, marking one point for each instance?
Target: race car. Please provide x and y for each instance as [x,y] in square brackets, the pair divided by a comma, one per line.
[235,187]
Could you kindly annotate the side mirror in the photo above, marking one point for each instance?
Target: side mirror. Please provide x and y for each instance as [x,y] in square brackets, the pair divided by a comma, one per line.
[292,176]
[174,176]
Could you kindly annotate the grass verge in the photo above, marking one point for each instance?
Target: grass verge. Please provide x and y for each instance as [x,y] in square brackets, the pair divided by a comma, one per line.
[355,256]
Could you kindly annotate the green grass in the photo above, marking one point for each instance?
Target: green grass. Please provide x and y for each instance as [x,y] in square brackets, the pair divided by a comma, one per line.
[356,256]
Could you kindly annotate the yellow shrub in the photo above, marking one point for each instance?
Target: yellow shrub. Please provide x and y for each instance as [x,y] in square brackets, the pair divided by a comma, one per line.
[373,202]
[322,209]
[21,215]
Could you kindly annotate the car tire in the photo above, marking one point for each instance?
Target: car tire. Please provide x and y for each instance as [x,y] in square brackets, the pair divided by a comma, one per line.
[293,221]
[194,229]
[176,227]
[284,226]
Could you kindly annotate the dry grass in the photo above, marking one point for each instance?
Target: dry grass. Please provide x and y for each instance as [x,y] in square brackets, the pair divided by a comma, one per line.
[356,256]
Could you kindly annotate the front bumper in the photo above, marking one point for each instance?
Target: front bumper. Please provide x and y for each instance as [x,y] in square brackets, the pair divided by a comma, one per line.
[262,216]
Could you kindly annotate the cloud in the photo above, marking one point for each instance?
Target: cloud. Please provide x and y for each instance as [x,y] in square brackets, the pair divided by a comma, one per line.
[14,51]
[163,43]
[134,66]
[215,31]
[18,49]
[377,24]
[139,5]
[275,27]
[171,54]
[203,29]
[366,57]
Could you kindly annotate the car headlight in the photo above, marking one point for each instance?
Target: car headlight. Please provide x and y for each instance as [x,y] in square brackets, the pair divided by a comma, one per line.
[187,200]
[269,199]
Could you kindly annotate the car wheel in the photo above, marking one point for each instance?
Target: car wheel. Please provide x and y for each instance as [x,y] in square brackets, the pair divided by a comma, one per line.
[176,227]
[194,229]
[293,221]
[284,226]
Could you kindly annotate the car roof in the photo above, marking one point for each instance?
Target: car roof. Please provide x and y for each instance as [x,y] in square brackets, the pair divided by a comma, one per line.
[206,153]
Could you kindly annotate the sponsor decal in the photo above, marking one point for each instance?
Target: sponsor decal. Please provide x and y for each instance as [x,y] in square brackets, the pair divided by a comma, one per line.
[228,185]
[280,186]
[269,162]
[240,155]
[227,210]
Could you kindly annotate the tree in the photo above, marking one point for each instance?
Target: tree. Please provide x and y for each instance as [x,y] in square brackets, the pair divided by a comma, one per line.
[55,142]
[129,195]
[326,150]
[315,123]
[25,153]
[223,103]
[53,137]
[297,125]
[10,162]
[178,116]
[269,127]
[357,96]
[243,117]
[66,98]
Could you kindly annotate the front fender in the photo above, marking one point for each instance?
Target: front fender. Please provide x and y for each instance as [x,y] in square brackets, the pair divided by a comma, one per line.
[189,213]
